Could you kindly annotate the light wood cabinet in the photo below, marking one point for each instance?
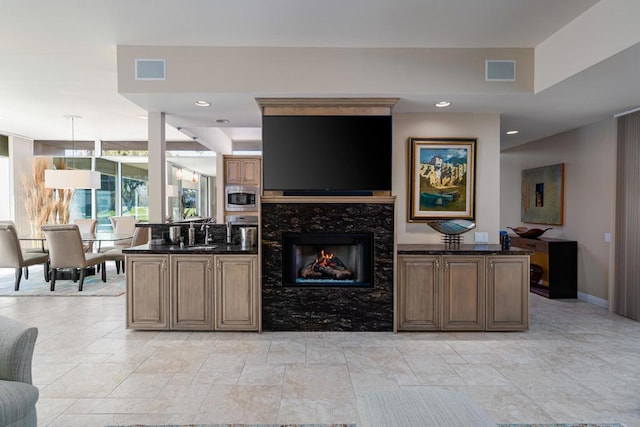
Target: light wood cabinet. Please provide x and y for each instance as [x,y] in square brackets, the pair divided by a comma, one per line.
[147,292]
[462,292]
[507,305]
[237,306]
[242,170]
[192,292]
[419,294]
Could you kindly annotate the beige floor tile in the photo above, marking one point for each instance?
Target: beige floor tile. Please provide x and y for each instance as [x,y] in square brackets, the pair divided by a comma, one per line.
[48,409]
[240,404]
[262,374]
[305,410]
[141,385]
[178,399]
[89,380]
[317,382]
[288,351]
[576,363]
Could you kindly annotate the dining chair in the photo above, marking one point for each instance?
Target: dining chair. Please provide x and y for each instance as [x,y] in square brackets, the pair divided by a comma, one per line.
[12,256]
[87,226]
[125,226]
[140,237]
[67,251]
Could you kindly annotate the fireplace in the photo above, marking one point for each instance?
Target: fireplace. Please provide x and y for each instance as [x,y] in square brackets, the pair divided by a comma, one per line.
[327,259]
[294,235]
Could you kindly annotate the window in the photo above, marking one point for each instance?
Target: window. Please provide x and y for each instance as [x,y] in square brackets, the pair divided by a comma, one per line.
[134,192]
[106,196]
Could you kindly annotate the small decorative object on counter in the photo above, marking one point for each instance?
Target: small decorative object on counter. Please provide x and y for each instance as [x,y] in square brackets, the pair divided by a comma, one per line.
[529,233]
[452,229]
[502,234]
[506,242]
[192,235]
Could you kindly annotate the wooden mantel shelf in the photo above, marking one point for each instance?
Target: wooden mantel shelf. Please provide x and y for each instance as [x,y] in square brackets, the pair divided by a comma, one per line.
[328,199]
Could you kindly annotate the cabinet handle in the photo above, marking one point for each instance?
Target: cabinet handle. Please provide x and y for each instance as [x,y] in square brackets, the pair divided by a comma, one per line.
[490,265]
[446,266]
[208,265]
[437,265]
[164,265]
[218,265]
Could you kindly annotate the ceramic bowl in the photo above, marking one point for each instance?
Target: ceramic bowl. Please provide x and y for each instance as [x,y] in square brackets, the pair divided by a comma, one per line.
[530,233]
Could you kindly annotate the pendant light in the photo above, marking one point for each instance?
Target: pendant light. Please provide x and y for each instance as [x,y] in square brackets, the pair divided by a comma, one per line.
[72,178]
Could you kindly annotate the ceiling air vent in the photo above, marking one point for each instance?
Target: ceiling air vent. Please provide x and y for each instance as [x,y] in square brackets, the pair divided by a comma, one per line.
[150,69]
[500,71]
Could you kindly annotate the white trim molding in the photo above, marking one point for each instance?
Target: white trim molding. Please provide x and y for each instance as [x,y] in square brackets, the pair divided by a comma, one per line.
[600,302]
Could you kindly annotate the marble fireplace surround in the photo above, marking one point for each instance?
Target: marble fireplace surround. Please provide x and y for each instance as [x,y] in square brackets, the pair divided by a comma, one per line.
[327,308]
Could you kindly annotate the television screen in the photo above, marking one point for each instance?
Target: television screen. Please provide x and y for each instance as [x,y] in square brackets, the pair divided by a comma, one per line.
[326,153]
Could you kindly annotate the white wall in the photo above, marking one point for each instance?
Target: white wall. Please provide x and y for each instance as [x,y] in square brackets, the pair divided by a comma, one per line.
[589,154]
[484,127]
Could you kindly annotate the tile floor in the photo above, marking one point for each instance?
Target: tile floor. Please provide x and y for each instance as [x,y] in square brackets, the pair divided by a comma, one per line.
[576,363]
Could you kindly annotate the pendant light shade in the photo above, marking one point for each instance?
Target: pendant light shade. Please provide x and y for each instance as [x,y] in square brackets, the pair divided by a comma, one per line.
[72,178]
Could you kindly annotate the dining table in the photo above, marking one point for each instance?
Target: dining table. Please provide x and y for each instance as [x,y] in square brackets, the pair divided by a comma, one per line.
[98,237]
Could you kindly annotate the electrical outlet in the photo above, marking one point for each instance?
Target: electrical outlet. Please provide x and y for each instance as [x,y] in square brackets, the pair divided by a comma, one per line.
[607,237]
[481,237]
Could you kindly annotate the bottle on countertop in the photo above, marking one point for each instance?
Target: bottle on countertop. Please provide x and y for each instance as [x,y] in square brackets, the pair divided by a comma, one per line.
[192,235]
[506,242]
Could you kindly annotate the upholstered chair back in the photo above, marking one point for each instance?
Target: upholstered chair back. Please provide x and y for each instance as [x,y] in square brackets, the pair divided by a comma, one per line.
[140,236]
[65,246]
[10,252]
[86,226]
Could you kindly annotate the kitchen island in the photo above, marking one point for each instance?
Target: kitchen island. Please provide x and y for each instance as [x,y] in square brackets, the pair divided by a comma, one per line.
[194,288]
[461,288]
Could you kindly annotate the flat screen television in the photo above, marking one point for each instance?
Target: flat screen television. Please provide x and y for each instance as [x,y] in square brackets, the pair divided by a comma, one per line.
[326,154]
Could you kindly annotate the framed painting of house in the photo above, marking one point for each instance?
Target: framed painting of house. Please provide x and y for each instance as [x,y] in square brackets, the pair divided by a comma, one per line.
[543,195]
[442,175]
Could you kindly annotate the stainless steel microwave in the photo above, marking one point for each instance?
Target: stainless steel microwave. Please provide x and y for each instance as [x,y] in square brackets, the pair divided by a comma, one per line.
[241,198]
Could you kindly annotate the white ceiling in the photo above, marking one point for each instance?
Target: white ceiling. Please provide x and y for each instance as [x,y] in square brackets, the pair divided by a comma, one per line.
[59,58]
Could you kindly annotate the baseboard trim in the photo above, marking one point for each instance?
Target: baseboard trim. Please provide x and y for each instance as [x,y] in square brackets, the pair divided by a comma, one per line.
[593,300]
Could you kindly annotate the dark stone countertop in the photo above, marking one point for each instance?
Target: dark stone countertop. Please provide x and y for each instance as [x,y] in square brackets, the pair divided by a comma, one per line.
[214,249]
[463,249]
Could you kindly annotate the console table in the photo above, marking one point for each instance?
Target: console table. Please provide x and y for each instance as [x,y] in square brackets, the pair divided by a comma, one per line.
[559,261]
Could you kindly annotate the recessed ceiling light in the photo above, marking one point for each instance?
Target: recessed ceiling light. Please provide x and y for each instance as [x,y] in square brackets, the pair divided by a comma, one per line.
[202,103]
[142,116]
[512,132]
[222,121]
[442,104]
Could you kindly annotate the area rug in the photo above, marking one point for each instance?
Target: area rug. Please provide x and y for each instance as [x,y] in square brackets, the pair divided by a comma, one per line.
[36,286]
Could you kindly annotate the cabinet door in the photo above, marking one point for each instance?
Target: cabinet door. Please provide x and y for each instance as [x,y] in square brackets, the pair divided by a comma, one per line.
[147,292]
[418,293]
[192,292]
[463,293]
[251,172]
[233,171]
[507,293]
[236,290]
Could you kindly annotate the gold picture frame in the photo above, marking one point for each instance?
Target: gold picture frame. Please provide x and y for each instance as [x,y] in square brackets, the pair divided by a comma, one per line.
[442,173]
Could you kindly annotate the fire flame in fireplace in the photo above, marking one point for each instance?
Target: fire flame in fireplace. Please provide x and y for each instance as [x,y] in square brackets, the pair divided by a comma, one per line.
[325,260]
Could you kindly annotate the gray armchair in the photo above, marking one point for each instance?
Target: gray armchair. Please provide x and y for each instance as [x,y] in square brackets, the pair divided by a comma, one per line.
[66,251]
[12,256]
[18,396]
